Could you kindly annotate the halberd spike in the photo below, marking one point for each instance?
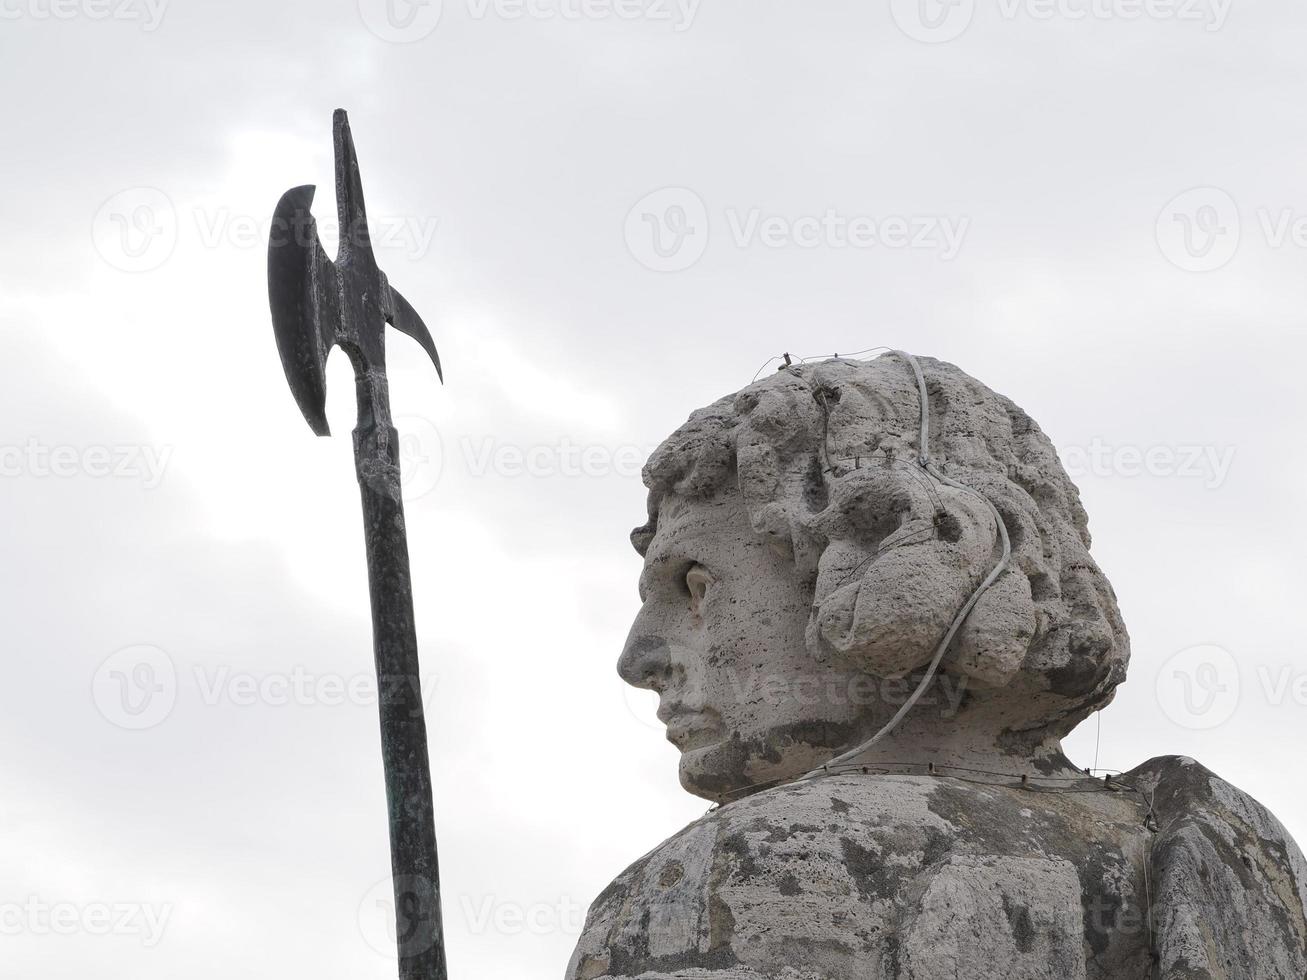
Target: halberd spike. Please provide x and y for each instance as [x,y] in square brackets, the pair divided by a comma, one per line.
[355,238]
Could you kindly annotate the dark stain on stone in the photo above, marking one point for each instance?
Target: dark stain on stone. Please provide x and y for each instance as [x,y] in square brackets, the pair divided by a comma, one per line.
[673,871]
[947,527]
[1018,920]
[1079,675]
[736,755]
[737,846]
[721,925]
[789,886]
[864,868]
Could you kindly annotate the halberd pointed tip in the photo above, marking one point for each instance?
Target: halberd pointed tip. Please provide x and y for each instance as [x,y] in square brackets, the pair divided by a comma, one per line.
[341,131]
[355,239]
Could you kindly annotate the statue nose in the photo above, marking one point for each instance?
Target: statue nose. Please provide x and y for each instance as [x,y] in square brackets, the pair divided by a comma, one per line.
[646,661]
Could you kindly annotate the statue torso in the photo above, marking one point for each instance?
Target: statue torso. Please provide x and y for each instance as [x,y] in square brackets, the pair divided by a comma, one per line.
[882,877]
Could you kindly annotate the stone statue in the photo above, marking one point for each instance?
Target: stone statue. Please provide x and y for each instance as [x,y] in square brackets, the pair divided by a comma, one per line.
[800,569]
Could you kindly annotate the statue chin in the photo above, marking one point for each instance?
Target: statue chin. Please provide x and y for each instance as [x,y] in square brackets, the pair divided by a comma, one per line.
[713,772]
[731,769]
[699,776]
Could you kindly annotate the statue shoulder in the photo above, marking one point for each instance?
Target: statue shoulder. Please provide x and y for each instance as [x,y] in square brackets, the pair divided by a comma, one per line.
[846,877]
[777,867]
[1229,882]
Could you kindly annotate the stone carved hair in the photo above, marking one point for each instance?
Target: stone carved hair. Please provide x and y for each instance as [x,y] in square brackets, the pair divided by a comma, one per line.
[824,456]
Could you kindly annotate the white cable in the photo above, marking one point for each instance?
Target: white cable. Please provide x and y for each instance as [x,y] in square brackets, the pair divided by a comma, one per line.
[923,457]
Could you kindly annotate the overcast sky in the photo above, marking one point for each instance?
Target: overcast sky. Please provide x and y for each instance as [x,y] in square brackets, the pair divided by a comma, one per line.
[610,212]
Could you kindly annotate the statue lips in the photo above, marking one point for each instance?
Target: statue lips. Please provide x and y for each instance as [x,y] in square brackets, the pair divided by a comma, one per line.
[689,729]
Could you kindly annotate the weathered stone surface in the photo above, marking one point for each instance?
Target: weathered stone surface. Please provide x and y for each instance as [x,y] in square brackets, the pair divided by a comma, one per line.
[884,876]
[1229,884]
[927,877]
[800,569]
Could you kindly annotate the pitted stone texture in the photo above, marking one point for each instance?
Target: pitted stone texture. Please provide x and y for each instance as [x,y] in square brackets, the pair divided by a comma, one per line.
[1005,901]
[1230,883]
[867,877]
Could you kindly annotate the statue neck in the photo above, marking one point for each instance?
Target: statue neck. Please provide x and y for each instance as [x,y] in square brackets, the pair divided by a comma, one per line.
[963,744]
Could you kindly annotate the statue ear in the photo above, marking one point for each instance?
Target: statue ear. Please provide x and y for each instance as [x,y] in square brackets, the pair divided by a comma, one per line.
[885,611]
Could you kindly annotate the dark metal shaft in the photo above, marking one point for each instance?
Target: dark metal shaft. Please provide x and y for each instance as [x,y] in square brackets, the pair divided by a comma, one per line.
[319,304]
[414,863]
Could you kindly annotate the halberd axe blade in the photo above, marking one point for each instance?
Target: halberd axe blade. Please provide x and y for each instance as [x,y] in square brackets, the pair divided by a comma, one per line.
[318,304]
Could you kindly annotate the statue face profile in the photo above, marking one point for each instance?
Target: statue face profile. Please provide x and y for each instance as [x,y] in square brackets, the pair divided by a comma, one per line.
[801,569]
[741,708]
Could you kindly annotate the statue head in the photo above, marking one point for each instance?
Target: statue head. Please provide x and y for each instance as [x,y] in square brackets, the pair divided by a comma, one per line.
[801,568]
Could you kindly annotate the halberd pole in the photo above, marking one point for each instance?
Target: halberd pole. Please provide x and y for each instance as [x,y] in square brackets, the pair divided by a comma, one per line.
[317,304]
